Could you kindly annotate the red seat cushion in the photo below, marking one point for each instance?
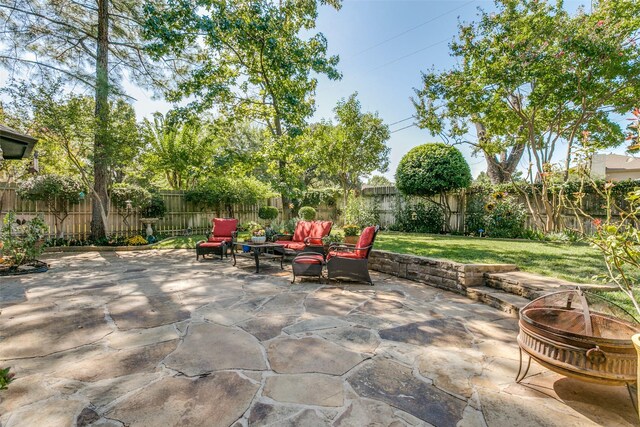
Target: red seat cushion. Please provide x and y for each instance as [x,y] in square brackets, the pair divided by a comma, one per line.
[213,239]
[210,244]
[319,229]
[343,254]
[366,238]
[303,228]
[294,246]
[223,227]
[309,259]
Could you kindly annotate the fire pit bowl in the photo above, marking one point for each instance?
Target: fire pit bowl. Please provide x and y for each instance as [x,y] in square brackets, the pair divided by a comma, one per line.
[579,335]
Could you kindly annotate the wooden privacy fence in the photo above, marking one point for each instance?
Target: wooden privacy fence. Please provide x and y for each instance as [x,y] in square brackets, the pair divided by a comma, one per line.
[181,217]
[387,198]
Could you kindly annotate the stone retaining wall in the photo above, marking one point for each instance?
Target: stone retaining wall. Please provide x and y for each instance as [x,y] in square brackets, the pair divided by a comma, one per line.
[453,276]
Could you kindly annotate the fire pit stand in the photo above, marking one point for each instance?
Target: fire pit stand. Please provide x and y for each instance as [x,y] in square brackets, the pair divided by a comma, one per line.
[580,335]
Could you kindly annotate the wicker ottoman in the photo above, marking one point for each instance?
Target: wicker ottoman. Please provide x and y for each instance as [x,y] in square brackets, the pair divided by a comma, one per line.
[208,248]
[307,264]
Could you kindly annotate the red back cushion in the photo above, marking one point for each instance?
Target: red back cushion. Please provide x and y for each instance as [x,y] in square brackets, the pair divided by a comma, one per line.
[319,229]
[303,228]
[223,227]
[366,238]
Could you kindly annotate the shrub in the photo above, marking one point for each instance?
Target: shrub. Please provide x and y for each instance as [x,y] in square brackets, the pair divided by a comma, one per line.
[58,193]
[290,225]
[419,217]
[432,169]
[361,212]
[22,242]
[268,213]
[136,195]
[506,220]
[475,218]
[136,241]
[307,213]
[351,230]
[249,226]
[222,192]
[155,208]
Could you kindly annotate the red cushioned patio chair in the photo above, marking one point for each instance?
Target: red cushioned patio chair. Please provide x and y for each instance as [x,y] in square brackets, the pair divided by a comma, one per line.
[308,237]
[352,261]
[223,233]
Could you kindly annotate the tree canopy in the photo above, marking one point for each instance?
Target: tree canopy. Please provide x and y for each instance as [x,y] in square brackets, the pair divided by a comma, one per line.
[252,63]
[531,76]
[352,148]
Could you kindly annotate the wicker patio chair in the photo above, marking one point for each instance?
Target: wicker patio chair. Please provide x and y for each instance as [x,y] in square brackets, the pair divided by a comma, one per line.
[352,261]
[223,234]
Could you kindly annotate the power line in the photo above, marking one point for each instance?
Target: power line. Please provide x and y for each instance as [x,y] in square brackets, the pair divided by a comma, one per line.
[406,127]
[409,54]
[403,120]
[412,28]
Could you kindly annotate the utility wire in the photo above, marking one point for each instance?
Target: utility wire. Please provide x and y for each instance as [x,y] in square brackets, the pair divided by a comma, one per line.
[406,127]
[412,28]
[408,55]
[403,120]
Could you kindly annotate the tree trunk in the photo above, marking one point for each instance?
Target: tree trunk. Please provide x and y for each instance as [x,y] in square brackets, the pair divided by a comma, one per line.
[100,201]
[500,168]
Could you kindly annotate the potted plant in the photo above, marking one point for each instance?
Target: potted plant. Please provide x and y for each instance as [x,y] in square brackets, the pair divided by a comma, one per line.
[351,233]
[258,235]
[332,239]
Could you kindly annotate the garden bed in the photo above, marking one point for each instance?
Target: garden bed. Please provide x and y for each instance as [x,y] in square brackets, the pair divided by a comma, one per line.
[89,248]
[28,268]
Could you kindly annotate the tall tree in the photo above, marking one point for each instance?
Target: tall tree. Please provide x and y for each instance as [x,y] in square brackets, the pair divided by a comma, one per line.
[355,146]
[253,63]
[178,151]
[65,126]
[91,43]
[533,78]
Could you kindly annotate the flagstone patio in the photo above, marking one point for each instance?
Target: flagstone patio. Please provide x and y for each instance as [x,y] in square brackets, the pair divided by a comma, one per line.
[155,338]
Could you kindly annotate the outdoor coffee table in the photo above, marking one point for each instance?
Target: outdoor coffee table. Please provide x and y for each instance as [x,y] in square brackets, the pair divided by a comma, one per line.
[257,251]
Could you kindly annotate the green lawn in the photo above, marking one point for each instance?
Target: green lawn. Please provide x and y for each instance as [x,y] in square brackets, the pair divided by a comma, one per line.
[574,262]
[180,242]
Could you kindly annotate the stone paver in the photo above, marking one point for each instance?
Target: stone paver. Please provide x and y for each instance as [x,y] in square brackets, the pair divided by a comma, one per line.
[310,355]
[326,390]
[217,400]
[396,385]
[155,338]
[208,348]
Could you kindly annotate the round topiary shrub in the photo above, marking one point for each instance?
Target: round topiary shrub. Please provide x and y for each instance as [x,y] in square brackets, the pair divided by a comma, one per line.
[307,213]
[268,213]
[432,169]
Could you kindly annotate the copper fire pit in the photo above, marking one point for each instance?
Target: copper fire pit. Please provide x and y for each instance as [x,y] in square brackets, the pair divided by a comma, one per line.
[579,335]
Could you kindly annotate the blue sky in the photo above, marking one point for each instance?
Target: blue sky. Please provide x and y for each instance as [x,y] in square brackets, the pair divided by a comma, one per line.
[383,45]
